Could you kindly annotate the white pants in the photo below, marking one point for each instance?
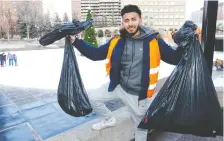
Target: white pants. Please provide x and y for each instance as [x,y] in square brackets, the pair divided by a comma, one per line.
[97,98]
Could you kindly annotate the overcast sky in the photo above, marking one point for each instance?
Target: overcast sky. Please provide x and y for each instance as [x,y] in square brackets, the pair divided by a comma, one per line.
[61,6]
[193,5]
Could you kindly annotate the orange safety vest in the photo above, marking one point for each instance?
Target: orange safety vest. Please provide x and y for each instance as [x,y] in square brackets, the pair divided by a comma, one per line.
[154,63]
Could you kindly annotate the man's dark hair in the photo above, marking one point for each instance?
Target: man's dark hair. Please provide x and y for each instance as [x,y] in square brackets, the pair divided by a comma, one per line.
[131,8]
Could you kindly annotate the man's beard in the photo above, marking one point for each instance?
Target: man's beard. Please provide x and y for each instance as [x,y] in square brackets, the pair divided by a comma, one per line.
[132,34]
[124,33]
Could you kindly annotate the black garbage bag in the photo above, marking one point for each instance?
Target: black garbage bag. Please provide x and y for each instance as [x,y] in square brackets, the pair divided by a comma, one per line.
[72,96]
[187,102]
[63,30]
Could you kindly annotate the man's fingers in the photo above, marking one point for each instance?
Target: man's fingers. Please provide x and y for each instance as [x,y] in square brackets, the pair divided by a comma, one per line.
[72,38]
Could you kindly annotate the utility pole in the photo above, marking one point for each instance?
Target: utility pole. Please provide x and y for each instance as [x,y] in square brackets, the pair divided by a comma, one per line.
[209,30]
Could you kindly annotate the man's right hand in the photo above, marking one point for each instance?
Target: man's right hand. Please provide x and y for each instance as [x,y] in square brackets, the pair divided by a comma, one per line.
[72,38]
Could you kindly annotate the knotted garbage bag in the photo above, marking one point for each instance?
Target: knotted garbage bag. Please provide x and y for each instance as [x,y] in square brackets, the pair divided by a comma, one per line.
[62,30]
[72,96]
[187,102]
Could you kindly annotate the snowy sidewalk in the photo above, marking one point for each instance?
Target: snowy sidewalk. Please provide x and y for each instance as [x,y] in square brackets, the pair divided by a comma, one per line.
[28,100]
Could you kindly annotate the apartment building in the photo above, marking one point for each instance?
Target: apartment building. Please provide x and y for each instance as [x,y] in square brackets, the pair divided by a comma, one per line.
[105,12]
[197,16]
[110,12]
[76,9]
[160,14]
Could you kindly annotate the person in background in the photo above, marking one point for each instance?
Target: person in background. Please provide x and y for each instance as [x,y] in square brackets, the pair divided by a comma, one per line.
[219,64]
[10,58]
[15,59]
[4,58]
[1,59]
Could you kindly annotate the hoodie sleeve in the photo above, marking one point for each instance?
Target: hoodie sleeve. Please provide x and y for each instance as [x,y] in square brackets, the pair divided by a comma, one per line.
[91,52]
[168,54]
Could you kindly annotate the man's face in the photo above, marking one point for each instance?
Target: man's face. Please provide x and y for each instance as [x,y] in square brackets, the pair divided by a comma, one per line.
[131,21]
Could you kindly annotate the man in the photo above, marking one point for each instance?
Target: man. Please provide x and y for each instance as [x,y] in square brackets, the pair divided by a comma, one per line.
[1,59]
[219,64]
[4,58]
[133,64]
[15,59]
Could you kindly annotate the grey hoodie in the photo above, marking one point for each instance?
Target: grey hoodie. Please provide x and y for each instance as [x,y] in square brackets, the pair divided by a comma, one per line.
[132,61]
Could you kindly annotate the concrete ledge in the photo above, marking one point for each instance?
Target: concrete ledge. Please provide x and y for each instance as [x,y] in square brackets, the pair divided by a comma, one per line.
[168,136]
[123,131]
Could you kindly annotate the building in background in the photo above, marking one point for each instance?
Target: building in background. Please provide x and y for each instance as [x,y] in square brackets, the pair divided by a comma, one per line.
[105,12]
[220,14]
[89,4]
[109,13]
[76,9]
[197,16]
[161,14]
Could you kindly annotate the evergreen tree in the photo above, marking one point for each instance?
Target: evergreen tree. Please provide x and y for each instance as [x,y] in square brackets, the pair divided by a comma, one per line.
[21,28]
[89,34]
[47,24]
[57,20]
[65,18]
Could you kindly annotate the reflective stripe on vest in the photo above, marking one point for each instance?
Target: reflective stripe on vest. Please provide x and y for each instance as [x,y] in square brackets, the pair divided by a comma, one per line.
[109,53]
[154,63]
[154,66]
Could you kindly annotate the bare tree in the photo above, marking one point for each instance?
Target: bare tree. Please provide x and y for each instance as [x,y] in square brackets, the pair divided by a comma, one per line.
[29,13]
[65,18]
[45,25]
[1,19]
[7,23]
[6,19]
[57,19]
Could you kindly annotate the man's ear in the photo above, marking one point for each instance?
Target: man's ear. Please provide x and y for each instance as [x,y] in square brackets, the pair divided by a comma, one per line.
[140,20]
[121,25]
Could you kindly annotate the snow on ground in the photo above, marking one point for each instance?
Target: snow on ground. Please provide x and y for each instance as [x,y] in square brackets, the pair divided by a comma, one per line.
[42,68]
